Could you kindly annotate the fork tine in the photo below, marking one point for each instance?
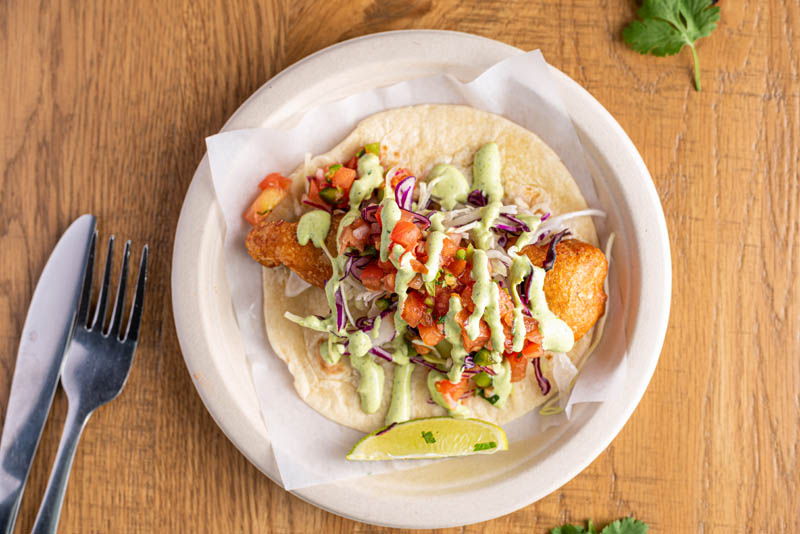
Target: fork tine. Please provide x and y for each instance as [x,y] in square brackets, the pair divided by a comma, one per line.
[116,315]
[102,297]
[86,292]
[132,332]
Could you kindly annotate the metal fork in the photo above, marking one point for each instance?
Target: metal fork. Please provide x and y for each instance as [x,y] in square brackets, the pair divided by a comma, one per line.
[95,370]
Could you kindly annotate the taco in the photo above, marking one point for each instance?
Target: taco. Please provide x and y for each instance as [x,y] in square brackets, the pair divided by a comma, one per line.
[439,260]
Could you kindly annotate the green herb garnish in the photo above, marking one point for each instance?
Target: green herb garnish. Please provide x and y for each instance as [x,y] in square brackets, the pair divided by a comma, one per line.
[428,437]
[373,148]
[491,400]
[485,446]
[669,25]
[627,525]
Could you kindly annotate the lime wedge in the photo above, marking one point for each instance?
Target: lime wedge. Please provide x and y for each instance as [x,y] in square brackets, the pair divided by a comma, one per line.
[432,437]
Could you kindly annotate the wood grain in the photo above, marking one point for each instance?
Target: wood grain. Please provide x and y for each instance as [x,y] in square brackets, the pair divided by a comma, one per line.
[104,109]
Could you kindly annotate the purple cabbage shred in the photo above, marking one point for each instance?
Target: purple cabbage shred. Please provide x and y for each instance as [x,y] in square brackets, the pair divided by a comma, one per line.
[544,384]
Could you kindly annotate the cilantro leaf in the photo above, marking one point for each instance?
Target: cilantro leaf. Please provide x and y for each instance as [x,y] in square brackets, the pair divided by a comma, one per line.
[574,529]
[669,25]
[627,525]
[569,529]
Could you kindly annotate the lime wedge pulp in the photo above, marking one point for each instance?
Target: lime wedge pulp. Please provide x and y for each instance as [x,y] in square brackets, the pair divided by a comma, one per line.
[432,437]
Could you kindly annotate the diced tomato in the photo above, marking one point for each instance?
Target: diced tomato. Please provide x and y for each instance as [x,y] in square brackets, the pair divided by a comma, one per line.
[387,266]
[418,266]
[456,266]
[275,179]
[448,248]
[466,298]
[406,234]
[313,193]
[344,178]
[452,393]
[388,281]
[532,350]
[441,301]
[421,349]
[532,329]
[355,235]
[404,215]
[484,333]
[263,204]
[416,282]
[506,304]
[413,309]
[519,366]
[352,164]
[371,277]
[465,277]
[431,335]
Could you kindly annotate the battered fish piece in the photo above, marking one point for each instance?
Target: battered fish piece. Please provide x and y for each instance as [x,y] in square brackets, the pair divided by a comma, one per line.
[573,287]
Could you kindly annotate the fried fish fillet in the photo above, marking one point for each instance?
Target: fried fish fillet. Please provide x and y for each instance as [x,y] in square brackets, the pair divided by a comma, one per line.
[573,287]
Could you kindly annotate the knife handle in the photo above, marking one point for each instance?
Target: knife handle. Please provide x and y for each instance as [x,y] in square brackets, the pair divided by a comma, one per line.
[50,509]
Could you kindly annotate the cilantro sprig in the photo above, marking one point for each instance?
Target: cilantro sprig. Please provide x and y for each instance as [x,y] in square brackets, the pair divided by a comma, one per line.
[669,25]
[627,525]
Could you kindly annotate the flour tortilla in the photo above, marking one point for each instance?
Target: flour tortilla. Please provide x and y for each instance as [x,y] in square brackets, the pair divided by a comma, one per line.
[418,138]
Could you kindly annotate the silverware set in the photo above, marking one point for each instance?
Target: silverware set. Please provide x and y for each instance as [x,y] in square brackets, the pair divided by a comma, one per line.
[62,339]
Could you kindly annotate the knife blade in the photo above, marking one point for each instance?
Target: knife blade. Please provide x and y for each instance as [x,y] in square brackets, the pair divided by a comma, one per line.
[47,331]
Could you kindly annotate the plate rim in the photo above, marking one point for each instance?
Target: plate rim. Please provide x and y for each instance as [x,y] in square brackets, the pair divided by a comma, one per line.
[315,494]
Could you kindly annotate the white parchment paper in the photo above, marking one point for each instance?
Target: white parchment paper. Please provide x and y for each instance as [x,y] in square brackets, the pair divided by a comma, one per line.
[310,449]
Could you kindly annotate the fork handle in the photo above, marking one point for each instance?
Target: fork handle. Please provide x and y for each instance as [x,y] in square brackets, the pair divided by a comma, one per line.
[50,509]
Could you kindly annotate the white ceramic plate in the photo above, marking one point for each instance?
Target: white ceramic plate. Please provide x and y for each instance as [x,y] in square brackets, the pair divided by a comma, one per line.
[459,491]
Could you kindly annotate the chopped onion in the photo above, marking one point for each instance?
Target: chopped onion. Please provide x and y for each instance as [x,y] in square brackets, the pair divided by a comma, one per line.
[361,232]
[544,384]
[498,255]
[467,227]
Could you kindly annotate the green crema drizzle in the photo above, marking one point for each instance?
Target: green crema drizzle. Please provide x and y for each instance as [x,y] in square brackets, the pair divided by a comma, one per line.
[486,178]
[448,185]
[452,333]
[433,247]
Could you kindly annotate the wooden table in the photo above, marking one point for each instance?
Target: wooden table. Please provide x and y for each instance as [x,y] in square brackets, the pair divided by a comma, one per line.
[105,110]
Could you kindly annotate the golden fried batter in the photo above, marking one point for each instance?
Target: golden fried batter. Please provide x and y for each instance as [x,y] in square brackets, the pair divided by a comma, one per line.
[573,287]
[274,243]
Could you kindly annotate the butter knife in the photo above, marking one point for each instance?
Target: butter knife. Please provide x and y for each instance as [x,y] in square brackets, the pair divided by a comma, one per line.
[47,331]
